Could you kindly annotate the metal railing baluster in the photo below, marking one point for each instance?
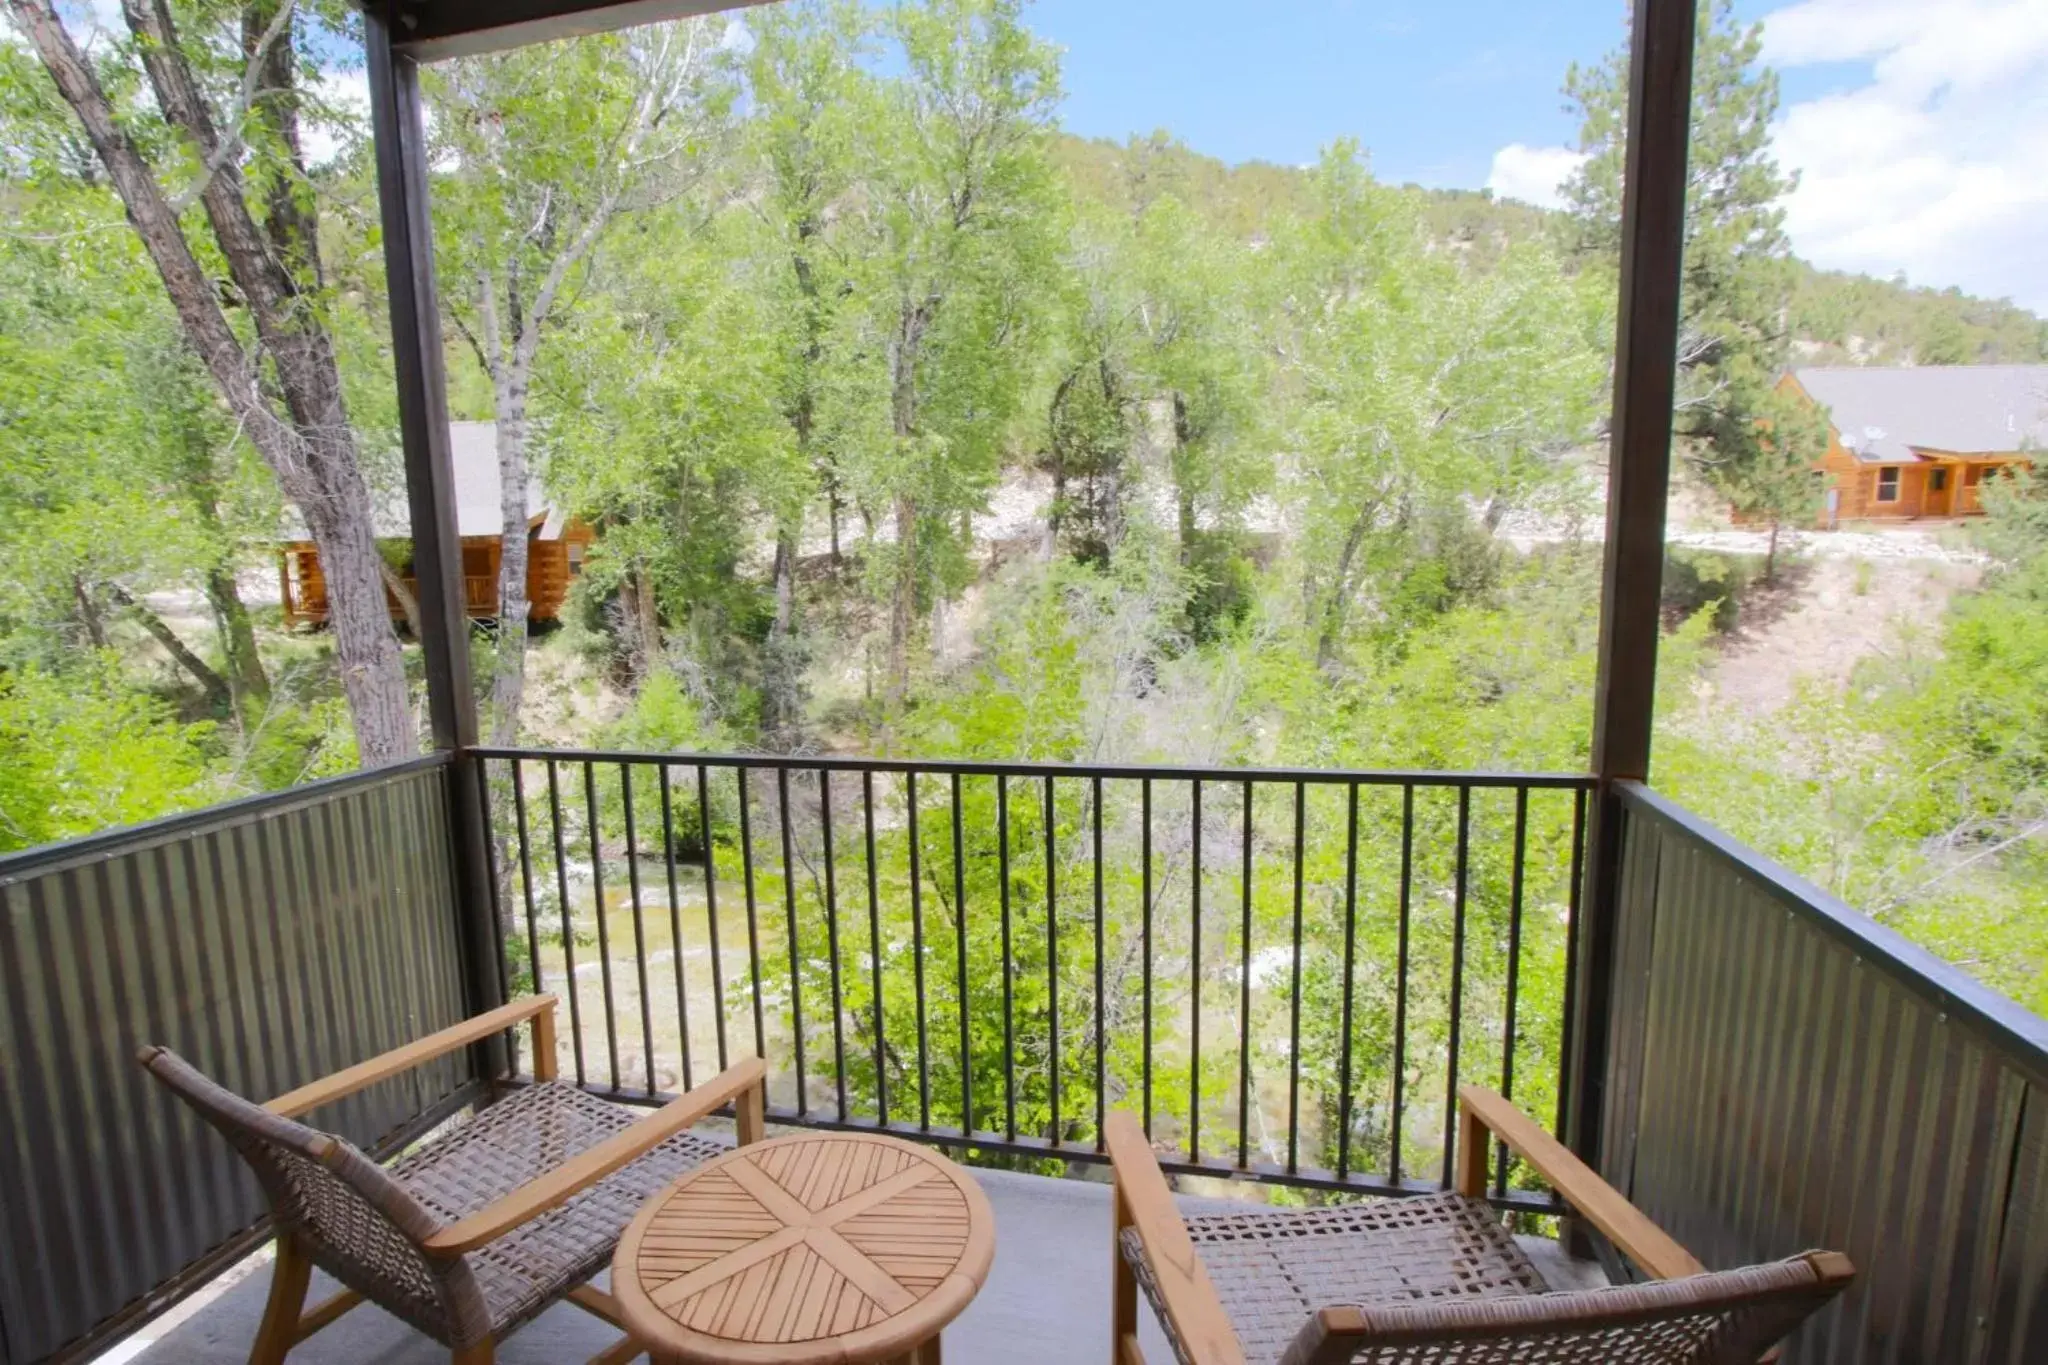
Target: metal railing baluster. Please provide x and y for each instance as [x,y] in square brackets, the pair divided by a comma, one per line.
[832,942]
[1052,958]
[796,952]
[1507,1044]
[924,1070]
[1009,961]
[1457,1017]
[711,912]
[1350,958]
[1407,891]
[675,916]
[526,874]
[604,936]
[1101,1037]
[1294,1010]
[639,928]
[573,987]
[753,915]
[867,803]
[1244,984]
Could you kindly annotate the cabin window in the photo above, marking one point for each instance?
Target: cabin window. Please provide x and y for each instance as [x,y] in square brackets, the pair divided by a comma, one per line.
[1888,485]
[575,559]
[1937,480]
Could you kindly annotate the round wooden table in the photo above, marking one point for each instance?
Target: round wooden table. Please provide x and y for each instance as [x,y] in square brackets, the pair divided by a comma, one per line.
[814,1249]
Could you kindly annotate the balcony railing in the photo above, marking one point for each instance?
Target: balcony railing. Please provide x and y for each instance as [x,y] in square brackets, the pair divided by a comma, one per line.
[1284,969]
[1286,972]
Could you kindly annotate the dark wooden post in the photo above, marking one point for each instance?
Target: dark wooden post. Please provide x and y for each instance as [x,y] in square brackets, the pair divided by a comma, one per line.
[1639,479]
[400,132]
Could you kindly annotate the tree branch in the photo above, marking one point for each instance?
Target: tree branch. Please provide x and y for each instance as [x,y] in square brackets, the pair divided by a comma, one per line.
[231,146]
[216,687]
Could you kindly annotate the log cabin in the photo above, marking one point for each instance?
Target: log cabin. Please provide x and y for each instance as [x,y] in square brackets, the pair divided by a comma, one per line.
[556,541]
[1914,441]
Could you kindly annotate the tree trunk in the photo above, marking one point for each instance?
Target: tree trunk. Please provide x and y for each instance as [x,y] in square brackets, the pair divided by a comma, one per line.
[903,407]
[508,684]
[647,610]
[1335,606]
[408,601]
[1771,557]
[902,600]
[242,663]
[246,678]
[218,694]
[780,691]
[310,446]
[89,614]
[1183,482]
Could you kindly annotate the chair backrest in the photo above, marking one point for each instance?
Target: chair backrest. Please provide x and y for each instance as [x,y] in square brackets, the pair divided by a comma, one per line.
[353,1220]
[1729,1317]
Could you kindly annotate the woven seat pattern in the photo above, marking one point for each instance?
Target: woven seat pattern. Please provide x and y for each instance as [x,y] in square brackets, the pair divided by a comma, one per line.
[1436,1280]
[363,1224]
[1273,1270]
[513,1143]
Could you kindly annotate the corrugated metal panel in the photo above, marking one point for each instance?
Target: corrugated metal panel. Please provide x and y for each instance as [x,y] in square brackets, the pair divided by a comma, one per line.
[2019,1318]
[1807,1083]
[271,944]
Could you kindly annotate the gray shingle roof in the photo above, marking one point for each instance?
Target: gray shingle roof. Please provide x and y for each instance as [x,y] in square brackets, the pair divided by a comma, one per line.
[473,450]
[1886,413]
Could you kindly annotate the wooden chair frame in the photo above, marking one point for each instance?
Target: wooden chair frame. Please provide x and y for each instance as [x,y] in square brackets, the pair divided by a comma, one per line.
[287,1322]
[1143,1200]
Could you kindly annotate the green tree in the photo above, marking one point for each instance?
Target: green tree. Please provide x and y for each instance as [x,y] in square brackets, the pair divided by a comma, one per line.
[1415,386]
[811,96]
[274,363]
[679,449]
[550,144]
[963,214]
[1738,271]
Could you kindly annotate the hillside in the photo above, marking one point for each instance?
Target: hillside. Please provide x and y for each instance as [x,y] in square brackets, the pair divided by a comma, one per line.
[1836,318]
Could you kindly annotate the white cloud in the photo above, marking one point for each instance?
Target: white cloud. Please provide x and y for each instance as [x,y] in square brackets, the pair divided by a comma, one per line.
[341,113]
[1936,164]
[1533,175]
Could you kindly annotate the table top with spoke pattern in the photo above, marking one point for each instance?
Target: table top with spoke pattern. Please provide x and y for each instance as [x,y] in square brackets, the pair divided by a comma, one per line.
[805,1250]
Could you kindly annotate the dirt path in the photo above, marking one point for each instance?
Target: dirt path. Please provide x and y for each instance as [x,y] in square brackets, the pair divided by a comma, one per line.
[1857,595]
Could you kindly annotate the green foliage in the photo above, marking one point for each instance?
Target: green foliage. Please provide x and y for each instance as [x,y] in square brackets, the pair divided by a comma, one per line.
[1738,267]
[1416,385]
[1290,418]
[86,752]
[1842,319]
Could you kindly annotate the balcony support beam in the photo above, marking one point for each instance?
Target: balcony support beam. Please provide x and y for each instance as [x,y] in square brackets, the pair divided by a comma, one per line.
[399,127]
[1638,484]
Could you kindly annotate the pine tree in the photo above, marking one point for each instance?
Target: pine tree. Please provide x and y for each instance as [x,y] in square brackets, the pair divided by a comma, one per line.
[1739,270]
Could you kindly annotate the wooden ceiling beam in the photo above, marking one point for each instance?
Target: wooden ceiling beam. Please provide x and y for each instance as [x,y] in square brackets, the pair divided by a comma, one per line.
[435,30]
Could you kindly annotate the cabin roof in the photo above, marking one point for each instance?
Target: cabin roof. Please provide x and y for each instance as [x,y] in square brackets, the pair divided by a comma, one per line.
[473,447]
[1888,414]
[473,450]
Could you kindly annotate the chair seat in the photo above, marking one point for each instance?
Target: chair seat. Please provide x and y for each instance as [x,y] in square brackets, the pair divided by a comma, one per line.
[506,1147]
[1272,1270]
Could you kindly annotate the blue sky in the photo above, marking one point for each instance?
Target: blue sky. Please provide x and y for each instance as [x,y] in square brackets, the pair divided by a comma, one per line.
[1433,89]
[1919,127]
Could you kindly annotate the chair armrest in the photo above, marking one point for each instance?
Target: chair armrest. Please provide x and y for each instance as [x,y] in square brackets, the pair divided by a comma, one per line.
[539,1008]
[1578,1184]
[1145,1201]
[585,1169]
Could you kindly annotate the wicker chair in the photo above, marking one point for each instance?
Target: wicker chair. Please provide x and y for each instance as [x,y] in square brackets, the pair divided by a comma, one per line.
[476,1232]
[1434,1278]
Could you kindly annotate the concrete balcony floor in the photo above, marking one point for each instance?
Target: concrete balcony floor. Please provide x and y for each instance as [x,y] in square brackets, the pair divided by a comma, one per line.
[1046,1300]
